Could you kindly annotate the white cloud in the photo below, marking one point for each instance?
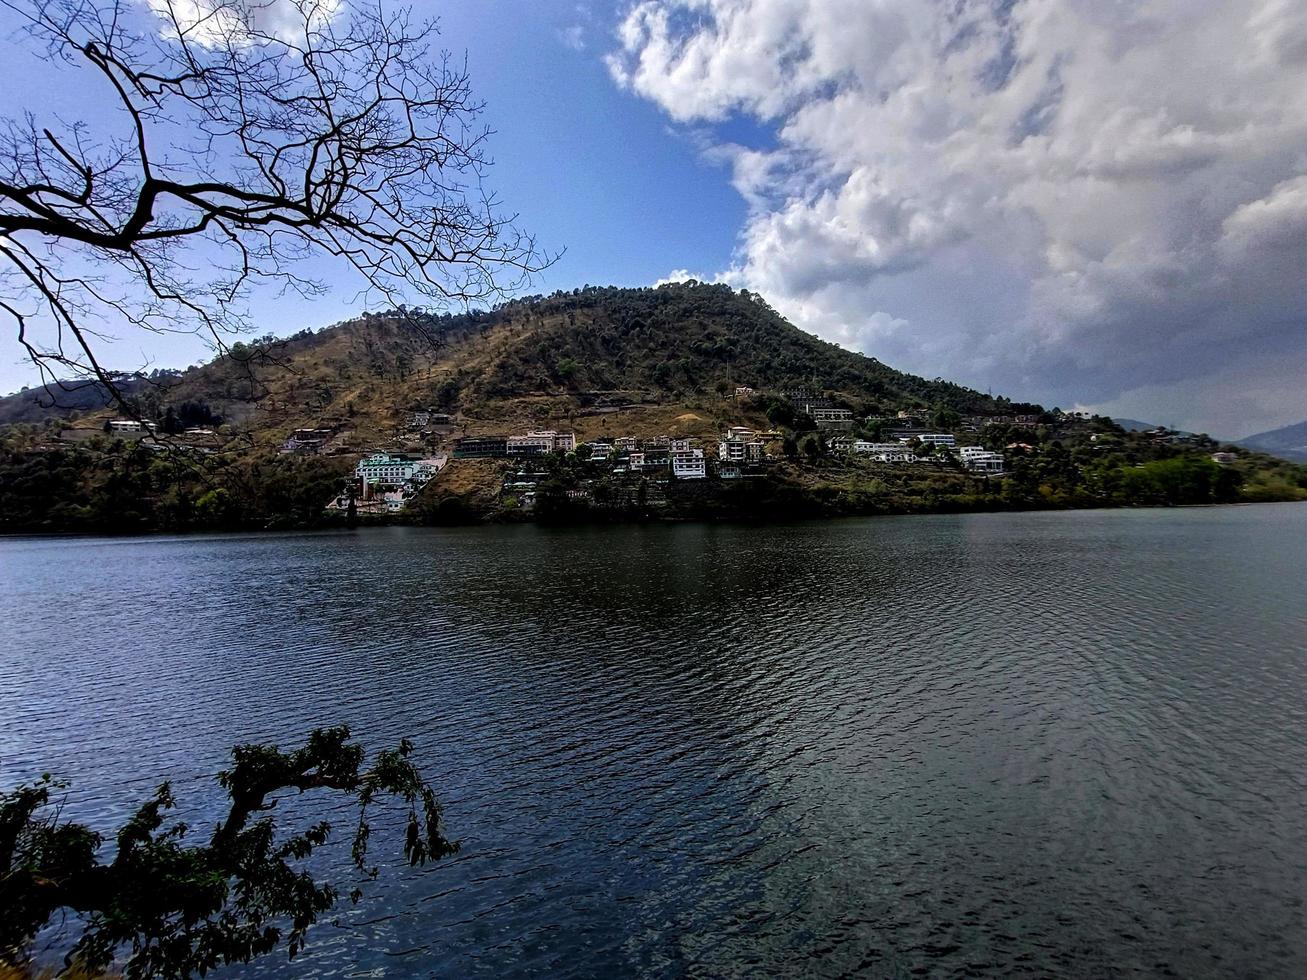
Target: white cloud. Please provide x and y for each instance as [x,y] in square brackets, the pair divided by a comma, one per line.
[681,275]
[1064,199]
[573,37]
[215,22]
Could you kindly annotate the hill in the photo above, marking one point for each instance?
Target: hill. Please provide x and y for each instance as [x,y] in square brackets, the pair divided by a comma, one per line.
[546,356]
[1288,442]
[1134,425]
[684,361]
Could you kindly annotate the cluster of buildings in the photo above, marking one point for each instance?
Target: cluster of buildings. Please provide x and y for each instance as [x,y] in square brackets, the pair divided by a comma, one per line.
[201,439]
[974,458]
[387,482]
[975,423]
[741,445]
[662,453]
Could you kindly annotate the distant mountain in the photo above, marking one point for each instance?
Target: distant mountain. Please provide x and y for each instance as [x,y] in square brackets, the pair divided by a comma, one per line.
[61,399]
[1289,442]
[1134,425]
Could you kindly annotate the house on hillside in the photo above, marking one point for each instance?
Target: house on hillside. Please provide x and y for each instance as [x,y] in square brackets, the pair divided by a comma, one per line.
[480,447]
[831,418]
[933,439]
[539,443]
[688,464]
[978,459]
[308,442]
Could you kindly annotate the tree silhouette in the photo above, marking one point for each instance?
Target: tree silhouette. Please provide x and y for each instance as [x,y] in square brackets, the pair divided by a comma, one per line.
[244,137]
[175,910]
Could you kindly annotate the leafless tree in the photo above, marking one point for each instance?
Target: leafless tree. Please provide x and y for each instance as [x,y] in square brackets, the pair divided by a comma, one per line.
[241,138]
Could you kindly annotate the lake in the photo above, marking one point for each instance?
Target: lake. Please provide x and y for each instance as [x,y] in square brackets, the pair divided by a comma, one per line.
[1049,744]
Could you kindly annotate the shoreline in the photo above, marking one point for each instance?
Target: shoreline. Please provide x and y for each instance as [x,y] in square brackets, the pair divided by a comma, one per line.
[377,523]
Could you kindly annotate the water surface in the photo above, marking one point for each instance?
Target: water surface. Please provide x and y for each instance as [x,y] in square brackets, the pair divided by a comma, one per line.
[1038,744]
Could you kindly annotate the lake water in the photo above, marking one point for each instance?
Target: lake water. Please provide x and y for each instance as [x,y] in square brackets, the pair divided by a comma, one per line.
[1049,744]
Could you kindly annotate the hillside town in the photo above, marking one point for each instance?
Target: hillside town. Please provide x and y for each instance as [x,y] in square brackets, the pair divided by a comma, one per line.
[749,451]
[388,481]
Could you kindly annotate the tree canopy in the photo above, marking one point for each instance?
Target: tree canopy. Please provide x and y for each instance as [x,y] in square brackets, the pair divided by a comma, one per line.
[170,909]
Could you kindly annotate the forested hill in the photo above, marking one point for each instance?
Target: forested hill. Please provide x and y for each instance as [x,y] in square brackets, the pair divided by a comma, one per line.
[665,344]
[687,338]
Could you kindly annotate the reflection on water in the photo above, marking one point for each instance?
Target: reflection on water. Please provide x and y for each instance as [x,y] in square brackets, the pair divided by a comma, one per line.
[1055,743]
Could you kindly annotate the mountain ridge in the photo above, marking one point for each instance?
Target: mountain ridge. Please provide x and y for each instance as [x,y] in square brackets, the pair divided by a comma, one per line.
[660,344]
[1288,442]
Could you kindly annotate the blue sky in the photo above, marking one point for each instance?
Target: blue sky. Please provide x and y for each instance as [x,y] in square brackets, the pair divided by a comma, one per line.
[594,172]
[1085,204]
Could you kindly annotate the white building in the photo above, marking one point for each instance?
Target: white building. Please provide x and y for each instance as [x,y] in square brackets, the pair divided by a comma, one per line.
[980,460]
[731,450]
[625,444]
[1225,459]
[654,459]
[825,417]
[384,469]
[130,425]
[401,472]
[876,448]
[688,464]
[933,439]
[739,450]
[679,445]
[600,451]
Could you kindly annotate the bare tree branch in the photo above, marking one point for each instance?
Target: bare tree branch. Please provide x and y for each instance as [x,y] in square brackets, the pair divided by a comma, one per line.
[245,137]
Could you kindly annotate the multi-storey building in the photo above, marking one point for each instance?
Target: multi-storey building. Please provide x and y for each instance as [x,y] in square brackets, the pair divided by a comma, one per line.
[537,443]
[933,439]
[978,459]
[481,446]
[688,464]
[831,417]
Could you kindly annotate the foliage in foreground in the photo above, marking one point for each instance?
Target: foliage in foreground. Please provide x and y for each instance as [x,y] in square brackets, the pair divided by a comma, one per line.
[172,910]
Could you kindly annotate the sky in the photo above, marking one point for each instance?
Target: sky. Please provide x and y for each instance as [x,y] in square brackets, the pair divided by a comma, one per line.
[1087,203]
